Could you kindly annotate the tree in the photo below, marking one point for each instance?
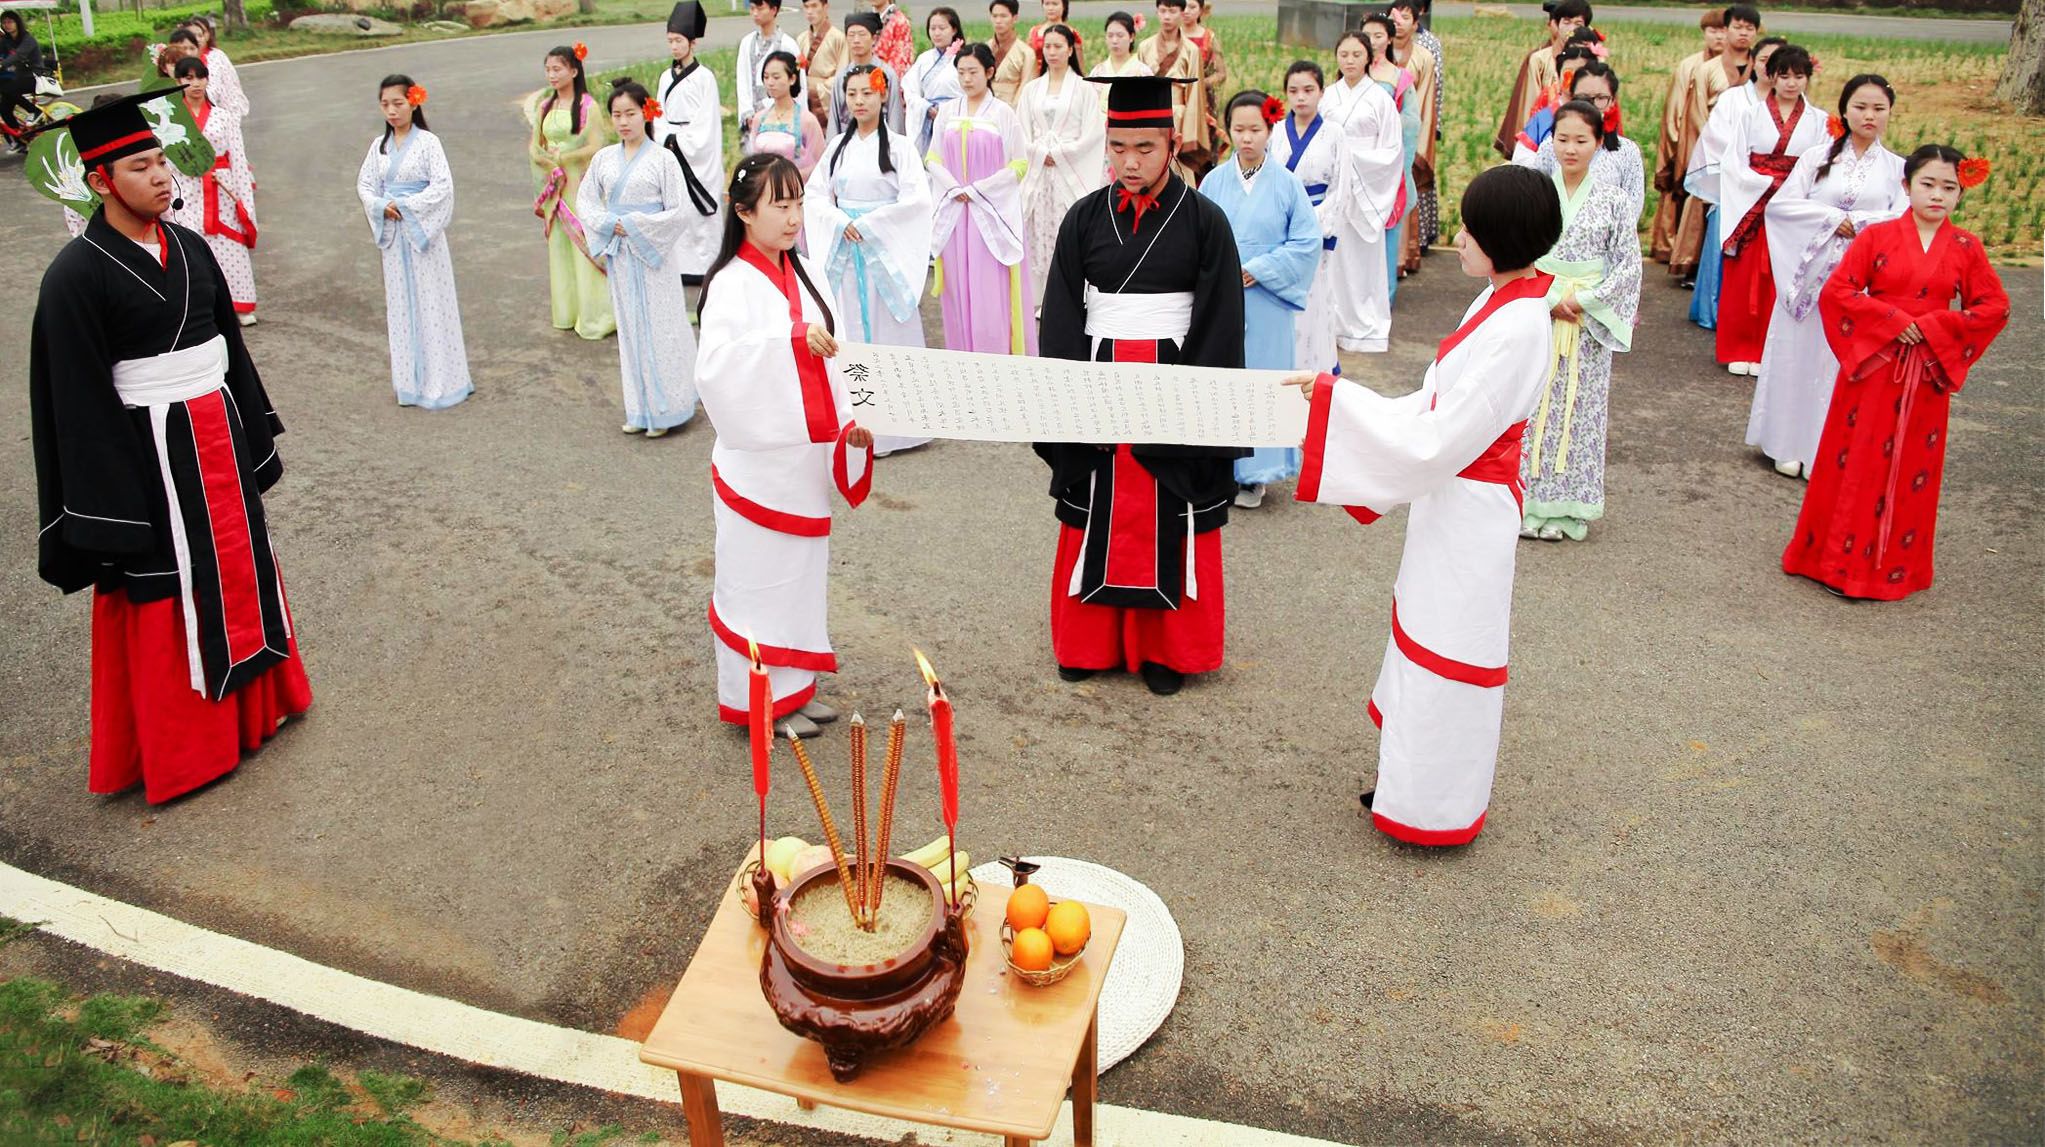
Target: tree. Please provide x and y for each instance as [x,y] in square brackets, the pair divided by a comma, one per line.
[2023,74]
[235,14]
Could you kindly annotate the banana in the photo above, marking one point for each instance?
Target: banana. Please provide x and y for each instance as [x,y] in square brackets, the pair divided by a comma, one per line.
[928,854]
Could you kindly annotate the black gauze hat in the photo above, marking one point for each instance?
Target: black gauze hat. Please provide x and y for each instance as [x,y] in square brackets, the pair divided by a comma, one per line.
[688,19]
[1140,101]
[114,130]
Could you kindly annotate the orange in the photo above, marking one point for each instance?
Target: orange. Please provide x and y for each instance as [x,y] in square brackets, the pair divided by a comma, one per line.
[1032,949]
[1027,907]
[1069,926]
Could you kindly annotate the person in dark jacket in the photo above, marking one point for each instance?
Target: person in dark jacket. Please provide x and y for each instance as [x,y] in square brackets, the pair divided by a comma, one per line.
[20,59]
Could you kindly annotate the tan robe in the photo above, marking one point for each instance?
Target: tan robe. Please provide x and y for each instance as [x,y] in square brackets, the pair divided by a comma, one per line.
[1708,81]
[821,67]
[1014,70]
[1196,149]
[1673,154]
[1537,71]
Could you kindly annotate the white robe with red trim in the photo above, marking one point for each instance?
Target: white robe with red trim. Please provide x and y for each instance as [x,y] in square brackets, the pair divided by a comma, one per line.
[776,409]
[1451,451]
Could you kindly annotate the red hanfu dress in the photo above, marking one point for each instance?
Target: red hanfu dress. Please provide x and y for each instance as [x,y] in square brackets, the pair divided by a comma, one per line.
[1869,516]
[1758,159]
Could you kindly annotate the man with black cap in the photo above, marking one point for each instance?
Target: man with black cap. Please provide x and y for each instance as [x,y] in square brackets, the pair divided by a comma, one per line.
[153,440]
[691,127]
[1145,270]
[862,33]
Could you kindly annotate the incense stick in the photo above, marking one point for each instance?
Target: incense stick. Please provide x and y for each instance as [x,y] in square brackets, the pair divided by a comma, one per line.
[863,874]
[816,793]
[891,776]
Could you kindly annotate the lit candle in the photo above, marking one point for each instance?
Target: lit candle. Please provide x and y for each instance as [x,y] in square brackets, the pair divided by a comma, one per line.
[947,761]
[760,718]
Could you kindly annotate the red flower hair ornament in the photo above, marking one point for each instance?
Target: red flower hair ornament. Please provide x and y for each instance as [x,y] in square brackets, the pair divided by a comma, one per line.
[1274,110]
[416,96]
[1141,21]
[581,51]
[1835,127]
[651,109]
[877,82]
[1974,172]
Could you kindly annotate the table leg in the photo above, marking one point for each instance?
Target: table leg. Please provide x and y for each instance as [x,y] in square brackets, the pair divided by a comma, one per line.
[699,1104]
[805,1105]
[1086,1084]
[1015,1141]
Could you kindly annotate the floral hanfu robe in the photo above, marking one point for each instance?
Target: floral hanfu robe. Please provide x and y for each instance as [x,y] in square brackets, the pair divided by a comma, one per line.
[1871,512]
[1597,261]
[644,193]
[429,364]
[221,204]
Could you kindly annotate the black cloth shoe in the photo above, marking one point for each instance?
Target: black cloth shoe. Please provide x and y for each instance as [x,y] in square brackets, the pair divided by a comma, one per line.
[1067,674]
[1367,798]
[1162,681]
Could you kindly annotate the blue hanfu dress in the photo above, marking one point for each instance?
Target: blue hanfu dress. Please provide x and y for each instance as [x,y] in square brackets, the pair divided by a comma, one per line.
[1278,239]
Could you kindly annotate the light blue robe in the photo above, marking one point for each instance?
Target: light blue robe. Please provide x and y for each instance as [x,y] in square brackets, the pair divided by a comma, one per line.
[1278,238]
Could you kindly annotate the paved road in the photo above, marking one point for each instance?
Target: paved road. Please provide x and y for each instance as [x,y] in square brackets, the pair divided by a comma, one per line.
[1762,864]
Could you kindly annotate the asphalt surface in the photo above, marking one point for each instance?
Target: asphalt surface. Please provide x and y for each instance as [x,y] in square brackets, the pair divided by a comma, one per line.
[1761,864]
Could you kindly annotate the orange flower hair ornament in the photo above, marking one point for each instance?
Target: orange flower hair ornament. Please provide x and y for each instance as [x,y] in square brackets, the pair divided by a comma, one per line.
[1974,172]
[1816,67]
[651,109]
[416,96]
[581,51]
[877,82]
[1835,127]
[1274,110]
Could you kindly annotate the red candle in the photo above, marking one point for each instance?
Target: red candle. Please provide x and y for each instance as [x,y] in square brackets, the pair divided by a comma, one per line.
[947,757]
[760,717]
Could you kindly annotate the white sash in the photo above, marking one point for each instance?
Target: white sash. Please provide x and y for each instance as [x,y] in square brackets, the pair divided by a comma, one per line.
[1166,315]
[174,376]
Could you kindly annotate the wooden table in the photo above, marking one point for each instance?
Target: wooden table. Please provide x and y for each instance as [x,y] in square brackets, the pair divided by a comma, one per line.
[1000,1065]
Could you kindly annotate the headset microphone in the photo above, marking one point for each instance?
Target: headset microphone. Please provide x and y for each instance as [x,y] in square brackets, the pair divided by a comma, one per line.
[177,203]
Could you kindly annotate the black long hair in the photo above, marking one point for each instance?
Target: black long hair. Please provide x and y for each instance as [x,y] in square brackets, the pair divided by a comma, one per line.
[786,60]
[1853,85]
[1592,118]
[958,28]
[1602,69]
[1933,153]
[755,176]
[1370,56]
[1307,68]
[1760,45]
[1127,21]
[189,67]
[886,164]
[399,80]
[631,89]
[1077,66]
[20,26]
[566,55]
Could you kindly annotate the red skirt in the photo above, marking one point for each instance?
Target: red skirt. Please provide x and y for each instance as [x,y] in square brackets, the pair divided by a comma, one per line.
[1870,514]
[1188,639]
[1746,299]
[150,725]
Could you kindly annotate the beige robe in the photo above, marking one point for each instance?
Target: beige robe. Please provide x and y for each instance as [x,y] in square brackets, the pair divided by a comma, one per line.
[1014,70]
[1537,71]
[1196,150]
[1673,152]
[1708,82]
[1420,64]
[820,67]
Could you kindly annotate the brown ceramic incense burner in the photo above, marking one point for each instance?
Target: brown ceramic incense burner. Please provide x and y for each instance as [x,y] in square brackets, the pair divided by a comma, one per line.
[857,1010]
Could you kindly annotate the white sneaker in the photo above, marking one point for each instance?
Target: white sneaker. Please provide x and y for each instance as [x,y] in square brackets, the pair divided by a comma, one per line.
[1250,497]
[1529,532]
[1790,469]
[247,320]
[629,428]
[819,712]
[657,432]
[1550,533]
[798,724]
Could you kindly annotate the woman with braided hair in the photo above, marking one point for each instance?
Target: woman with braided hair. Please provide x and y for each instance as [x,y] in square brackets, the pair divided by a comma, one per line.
[1833,193]
[783,443]
[868,214]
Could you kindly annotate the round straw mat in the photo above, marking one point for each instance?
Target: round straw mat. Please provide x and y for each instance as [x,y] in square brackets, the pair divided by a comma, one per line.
[1150,959]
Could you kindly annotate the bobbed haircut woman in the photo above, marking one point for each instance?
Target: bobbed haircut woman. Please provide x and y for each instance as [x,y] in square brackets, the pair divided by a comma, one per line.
[1513,214]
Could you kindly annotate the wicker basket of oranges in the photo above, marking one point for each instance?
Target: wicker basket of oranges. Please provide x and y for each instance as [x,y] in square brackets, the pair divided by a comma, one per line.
[1043,939]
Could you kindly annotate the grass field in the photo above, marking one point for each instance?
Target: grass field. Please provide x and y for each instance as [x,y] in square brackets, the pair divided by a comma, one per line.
[1942,96]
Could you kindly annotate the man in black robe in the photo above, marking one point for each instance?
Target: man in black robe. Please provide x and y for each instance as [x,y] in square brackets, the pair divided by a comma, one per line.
[153,440]
[1145,270]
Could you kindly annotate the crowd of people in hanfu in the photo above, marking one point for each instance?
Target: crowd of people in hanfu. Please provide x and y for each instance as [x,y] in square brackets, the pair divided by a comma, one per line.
[1136,210]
